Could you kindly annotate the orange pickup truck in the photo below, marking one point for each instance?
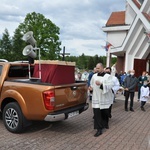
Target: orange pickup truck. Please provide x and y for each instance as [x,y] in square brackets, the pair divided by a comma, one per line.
[24,99]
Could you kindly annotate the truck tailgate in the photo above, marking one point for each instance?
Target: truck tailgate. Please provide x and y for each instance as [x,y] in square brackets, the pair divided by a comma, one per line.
[70,95]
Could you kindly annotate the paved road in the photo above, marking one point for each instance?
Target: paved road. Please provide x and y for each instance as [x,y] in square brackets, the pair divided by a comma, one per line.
[128,131]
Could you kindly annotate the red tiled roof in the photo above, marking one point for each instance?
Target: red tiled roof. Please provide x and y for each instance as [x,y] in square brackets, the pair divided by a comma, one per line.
[147,16]
[116,19]
[137,4]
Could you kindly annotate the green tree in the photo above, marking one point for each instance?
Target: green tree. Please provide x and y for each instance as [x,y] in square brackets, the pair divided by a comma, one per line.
[103,59]
[91,63]
[71,58]
[82,62]
[96,59]
[113,60]
[18,45]
[6,46]
[45,32]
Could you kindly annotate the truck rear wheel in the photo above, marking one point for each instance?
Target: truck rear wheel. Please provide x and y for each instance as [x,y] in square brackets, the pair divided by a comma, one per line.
[13,118]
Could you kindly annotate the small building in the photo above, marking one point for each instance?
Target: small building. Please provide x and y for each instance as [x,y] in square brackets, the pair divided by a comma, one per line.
[128,32]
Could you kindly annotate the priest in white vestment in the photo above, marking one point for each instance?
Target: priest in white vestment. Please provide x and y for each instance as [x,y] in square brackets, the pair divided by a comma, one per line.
[101,84]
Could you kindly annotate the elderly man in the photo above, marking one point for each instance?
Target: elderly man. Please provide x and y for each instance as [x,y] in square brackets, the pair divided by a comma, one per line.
[130,83]
[101,85]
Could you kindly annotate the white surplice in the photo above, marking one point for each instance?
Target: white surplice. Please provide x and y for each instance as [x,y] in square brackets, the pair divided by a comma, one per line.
[144,95]
[102,98]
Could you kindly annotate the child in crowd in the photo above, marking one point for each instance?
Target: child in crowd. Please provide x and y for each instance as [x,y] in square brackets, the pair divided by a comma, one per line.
[144,95]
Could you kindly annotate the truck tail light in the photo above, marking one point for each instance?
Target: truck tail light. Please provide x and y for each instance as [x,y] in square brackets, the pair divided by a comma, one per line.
[49,99]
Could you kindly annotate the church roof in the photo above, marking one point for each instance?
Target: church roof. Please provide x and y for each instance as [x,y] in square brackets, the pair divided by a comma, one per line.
[116,19]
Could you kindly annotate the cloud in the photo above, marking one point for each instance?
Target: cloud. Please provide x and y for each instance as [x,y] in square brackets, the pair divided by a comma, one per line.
[80,22]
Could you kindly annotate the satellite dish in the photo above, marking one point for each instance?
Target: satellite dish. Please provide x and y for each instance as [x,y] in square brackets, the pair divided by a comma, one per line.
[28,51]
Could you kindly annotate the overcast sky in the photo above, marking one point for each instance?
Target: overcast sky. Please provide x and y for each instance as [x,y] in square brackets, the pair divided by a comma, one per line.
[80,21]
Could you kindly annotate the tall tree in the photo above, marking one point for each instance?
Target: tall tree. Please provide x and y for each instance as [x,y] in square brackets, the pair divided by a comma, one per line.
[91,63]
[6,46]
[96,59]
[71,58]
[18,45]
[45,32]
[82,62]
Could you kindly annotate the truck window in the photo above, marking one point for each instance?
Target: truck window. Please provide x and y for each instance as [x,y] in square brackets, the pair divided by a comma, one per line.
[19,71]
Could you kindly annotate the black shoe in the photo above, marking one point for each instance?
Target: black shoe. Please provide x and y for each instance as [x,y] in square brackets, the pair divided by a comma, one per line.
[126,109]
[142,108]
[107,127]
[110,116]
[99,132]
[131,109]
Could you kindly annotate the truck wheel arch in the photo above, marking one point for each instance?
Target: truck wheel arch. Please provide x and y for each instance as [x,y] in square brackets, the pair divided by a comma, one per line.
[14,96]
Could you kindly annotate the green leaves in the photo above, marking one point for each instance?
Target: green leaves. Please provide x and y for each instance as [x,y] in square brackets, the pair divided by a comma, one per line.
[6,46]
[45,33]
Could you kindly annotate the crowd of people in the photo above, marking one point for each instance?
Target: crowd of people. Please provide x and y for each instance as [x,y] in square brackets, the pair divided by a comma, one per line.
[103,85]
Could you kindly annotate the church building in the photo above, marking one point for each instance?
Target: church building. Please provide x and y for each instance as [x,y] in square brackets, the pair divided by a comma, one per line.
[128,34]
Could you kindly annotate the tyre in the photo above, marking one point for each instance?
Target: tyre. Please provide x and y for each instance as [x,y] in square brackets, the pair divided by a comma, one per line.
[13,118]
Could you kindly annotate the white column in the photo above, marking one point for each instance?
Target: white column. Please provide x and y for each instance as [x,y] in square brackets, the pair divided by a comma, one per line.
[108,59]
[147,65]
[129,62]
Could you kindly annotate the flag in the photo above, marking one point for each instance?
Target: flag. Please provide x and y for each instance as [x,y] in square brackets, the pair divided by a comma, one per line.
[107,46]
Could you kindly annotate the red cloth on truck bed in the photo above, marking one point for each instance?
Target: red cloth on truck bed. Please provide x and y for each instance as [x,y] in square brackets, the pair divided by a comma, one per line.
[55,74]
